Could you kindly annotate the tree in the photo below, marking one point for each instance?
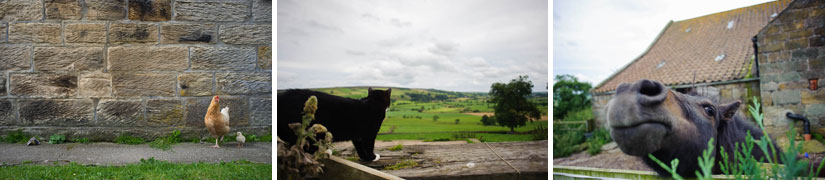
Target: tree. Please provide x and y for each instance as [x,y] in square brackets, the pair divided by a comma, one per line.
[511,106]
[435,118]
[569,95]
[487,121]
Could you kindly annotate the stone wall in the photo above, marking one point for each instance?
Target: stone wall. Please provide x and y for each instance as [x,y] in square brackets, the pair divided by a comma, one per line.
[791,53]
[101,68]
[718,92]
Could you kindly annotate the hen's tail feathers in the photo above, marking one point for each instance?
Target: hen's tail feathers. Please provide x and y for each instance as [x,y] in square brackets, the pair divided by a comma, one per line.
[225,113]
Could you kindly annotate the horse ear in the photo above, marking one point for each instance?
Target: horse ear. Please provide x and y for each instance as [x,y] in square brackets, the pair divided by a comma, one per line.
[389,91]
[729,110]
[369,89]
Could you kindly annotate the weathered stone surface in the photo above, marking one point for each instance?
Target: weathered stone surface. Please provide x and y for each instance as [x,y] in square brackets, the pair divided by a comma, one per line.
[189,34]
[21,10]
[223,58]
[15,58]
[265,57]
[63,9]
[143,84]
[96,84]
[68,58]
[150,10]
[815,110]
[57,112]
[7,116]
[246,34]
[213,10]
[106,9]
[2,84]
[43,84]
[262,10]
[147,58]
[195,84]
[133,33]
[812,97]
[35,33]
[786,97]
[3,27]
[805,53]
[119,112]
[164,112]
[789,76]
[86,33]
[238,111]
[244,83]
[261,111]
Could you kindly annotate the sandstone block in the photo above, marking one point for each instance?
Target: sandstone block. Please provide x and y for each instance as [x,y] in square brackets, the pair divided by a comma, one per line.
[106,9]
[56,112]
[812,97]
[815,110]
[215,10]
[119,112]
[150,10]
[43,84]
[21,10]
[68,58]
[786,97]
[63,9]
[2,85]
[143,84]
[133,33]
[86,33]
[189,34]
[261,111]
[238,111]
[223,58]
[195,84]
[95,84]
[15,58]
[146,58]
[35,33]
[7,116]
[246,34]
[244,83]
[262,10]
[265,57]
[164,112]
[3,27]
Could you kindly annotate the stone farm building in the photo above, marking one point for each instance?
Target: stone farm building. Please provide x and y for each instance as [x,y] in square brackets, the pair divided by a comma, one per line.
[102,68]
[714,54]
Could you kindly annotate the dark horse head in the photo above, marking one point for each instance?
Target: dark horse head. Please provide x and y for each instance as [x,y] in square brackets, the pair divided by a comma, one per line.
[647,117]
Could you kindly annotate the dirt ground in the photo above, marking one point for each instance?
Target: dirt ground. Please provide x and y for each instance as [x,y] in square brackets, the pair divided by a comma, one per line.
[611,159]
[543,118]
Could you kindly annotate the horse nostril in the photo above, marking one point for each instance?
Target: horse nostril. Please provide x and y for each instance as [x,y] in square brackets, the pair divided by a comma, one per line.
[650,88]
[651,92]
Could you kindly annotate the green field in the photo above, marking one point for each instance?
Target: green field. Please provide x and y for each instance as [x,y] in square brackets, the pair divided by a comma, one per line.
[404,121]
[149,169]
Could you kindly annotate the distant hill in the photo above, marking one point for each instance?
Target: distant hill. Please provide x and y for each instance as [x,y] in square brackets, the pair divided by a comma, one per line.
[410,94]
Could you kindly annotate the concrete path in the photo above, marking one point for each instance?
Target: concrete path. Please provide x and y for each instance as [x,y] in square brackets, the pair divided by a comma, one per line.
[120,154]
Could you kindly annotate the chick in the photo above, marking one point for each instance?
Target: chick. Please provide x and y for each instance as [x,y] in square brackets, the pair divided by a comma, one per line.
[240,139]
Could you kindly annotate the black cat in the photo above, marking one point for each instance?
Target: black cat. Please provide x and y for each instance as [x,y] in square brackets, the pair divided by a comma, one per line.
[347,119]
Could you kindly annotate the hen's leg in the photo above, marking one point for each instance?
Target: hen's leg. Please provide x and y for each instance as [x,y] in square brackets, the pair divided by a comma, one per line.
[216,144]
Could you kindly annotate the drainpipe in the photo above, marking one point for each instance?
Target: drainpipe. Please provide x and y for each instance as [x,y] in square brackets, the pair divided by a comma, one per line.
[806,125]
[755,54]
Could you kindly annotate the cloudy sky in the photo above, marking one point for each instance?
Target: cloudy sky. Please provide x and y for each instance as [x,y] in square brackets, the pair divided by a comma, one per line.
[592,39]
[456,45]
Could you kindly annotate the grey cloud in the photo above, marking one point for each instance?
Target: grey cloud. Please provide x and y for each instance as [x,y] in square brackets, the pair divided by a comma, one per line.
[318,25]
[444,48]
[355,53]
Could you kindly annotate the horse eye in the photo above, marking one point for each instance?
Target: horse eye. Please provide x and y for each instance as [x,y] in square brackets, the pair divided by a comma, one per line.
[709,109]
